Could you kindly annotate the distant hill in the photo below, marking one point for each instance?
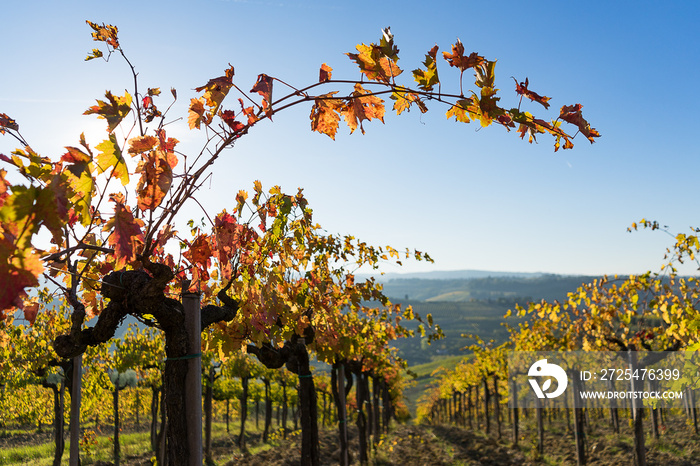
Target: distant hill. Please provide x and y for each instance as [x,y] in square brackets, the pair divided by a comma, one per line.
[473,285]
[450,274]
[473,305]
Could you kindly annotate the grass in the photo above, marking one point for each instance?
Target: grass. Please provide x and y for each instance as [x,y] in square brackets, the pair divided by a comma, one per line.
[40,455]
[421,382]
[102,449]
[663,445]
[424,370]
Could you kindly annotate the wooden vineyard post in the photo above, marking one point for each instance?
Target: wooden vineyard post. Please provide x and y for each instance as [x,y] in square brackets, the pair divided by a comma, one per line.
[342,422]
[76,388]
[193,401]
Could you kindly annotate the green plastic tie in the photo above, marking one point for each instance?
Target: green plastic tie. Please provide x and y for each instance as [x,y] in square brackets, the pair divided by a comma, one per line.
[189,356]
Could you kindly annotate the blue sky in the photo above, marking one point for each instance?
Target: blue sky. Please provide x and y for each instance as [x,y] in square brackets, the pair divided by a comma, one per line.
[472,198]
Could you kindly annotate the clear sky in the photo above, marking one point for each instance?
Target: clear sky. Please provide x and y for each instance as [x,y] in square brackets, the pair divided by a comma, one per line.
[472,198]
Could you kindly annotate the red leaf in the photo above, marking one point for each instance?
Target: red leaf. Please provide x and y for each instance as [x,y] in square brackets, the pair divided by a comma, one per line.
[164,235]
[249,112]
[126,232]
[521,89]
[18,269]
[229,117]
[72,217]
[229,238]
[7,122]
[264,87]
[167,145]
[572,114]
[30,312]
[199,254]
[199,251]
[75,155]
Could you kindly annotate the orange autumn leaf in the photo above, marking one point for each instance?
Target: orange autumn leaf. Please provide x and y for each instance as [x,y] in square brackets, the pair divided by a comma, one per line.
[458,60]
[373,64]
[200,251]
[362,107]
[4,186]
[240,200]
[248,112]
[325,114]
[156,178]
[167,145]
[324,73]
[459,111]
[105,33]
[142,144]
[75,155]
[404,100]
[195,115]
[199,254]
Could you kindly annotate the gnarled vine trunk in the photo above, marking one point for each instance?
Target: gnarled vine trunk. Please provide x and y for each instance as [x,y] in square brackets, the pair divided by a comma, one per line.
[268,410]
[244,412]
[155,404]
[295,356]
[141,293]
[58,406]
[208,405]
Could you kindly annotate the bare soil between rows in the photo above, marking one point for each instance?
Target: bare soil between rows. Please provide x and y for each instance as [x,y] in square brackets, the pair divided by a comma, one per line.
[443,445]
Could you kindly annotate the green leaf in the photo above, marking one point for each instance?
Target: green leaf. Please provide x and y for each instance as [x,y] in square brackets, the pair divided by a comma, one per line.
[96,53]
[113,111]
[428,78]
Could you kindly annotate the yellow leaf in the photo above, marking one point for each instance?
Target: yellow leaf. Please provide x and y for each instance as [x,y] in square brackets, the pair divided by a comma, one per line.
[111,157]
